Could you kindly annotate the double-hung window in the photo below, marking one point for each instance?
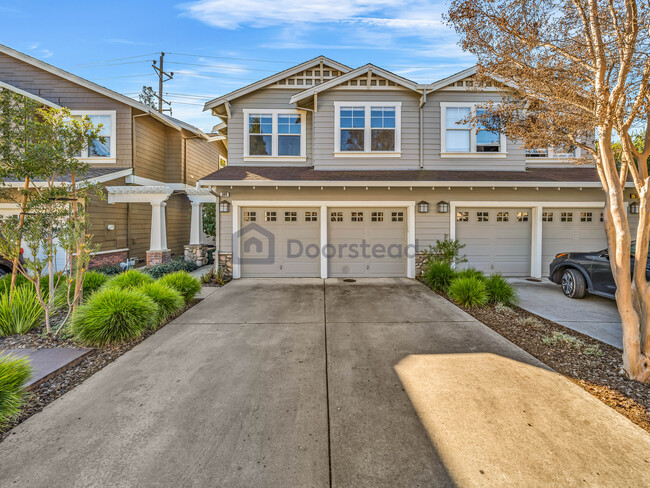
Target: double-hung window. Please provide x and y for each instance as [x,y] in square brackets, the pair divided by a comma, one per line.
[460,139]
[100,151]
[274,134]
[367,128]
[554,153]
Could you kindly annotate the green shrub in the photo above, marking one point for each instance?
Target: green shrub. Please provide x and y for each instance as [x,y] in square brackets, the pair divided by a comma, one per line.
[176,264]
[168,299]
[593,350]
[184,283]
[113,315]
[468,291]
[471,273]
[22,314]
[500,290]
[93,281]
[130,279]
[110,270]
[445,250]
[14,373]
[5,283]
[529,322]
[562,338]
[438,275]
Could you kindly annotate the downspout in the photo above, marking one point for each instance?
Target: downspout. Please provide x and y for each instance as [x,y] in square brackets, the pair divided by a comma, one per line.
[423,101]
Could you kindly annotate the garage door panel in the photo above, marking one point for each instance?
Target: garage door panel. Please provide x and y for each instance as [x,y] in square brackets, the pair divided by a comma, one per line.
[583,232]
[496,240]
[352,227]
[292,233]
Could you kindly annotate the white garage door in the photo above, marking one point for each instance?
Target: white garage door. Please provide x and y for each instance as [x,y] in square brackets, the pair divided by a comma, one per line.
[366,242]
[280,242]
[571,229]
[496,239]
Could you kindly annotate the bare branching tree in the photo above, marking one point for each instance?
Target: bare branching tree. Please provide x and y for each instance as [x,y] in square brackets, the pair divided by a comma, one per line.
[576,71]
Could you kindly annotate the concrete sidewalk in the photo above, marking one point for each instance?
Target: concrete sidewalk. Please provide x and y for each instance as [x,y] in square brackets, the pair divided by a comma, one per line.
[592,315]
[305,383]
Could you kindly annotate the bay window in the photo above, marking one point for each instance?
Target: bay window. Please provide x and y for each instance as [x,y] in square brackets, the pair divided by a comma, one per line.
[274,135]
[367,129]
[100,151]
[460,139]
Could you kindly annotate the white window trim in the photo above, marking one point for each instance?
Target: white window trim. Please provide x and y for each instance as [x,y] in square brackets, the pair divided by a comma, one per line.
[472,135]
[553,158]
[274,137]
[113,158]
[367,153]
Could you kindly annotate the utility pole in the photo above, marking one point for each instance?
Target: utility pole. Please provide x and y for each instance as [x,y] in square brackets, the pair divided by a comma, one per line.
[161,79]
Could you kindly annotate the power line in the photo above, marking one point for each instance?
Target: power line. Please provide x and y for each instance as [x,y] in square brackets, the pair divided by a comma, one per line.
[125,76]
[233,58]
[116,59]
[114,64]
[221,67]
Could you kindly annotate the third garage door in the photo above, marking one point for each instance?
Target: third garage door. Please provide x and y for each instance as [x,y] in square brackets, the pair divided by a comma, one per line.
[367,242]
[496,239]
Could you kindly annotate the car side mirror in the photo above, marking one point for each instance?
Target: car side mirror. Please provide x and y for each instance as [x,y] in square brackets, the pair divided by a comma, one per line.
[605,255]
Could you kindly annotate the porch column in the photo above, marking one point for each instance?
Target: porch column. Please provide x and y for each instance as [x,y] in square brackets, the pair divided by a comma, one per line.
[536,242]
[158,241]
[196,224]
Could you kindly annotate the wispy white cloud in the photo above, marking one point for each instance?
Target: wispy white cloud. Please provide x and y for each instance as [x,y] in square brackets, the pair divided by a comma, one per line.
[40,53]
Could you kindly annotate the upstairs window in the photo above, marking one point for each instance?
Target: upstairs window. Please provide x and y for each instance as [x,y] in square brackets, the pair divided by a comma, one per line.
[459,138]
[553,153]
[97,151]
[274,134]
[367,129]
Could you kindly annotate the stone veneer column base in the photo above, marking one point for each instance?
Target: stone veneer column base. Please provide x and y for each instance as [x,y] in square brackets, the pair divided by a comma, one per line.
[419,261]
[108,258]
[197,253]
[225,263]
[158,257]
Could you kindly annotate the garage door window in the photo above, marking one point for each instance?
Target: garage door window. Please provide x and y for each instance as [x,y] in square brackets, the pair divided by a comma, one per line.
[522,216]
[585,216]
[336,217]
[290,216]
[462,216]
[502,216]
[397,217]
[270,216]
[482,216]
[311,217]
[566,217]
[547,216]
[249,217]
[357,217]
[377,216]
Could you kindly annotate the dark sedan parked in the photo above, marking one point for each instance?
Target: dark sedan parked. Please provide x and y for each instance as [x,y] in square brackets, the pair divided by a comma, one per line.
[579,272]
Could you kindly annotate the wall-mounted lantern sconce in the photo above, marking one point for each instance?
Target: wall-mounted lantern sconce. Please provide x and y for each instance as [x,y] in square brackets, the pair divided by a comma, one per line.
[634,208]
[423,207]
[224,207]
[443,207]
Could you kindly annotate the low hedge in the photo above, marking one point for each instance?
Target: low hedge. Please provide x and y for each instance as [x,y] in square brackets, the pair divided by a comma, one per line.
[176,264]
[14,373]
[113,315]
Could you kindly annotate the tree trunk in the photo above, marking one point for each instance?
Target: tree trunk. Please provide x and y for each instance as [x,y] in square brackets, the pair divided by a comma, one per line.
[21,223]
[77,297]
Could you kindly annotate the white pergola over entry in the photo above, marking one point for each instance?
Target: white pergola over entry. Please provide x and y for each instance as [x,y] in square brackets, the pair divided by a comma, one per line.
[156,196]
[197,198]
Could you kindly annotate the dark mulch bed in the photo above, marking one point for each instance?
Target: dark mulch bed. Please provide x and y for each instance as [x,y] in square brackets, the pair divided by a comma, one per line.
[601,376]
[48,391]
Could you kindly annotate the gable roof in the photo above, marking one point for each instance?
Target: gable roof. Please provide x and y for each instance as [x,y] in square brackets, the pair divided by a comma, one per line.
[273,78]
[436,85]
[165,119]
[309,92]
[27,94]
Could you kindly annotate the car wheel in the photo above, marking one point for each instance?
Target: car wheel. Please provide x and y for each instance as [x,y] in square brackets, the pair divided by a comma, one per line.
[573,284]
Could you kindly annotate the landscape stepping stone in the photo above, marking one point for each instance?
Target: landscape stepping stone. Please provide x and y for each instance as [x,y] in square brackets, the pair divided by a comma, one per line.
[46,362]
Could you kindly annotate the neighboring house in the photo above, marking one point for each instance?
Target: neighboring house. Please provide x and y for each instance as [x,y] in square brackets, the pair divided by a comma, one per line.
[326,157]
[148,166]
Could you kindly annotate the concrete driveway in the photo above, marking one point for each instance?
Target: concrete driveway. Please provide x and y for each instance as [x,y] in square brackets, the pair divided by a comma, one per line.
[305,383]
[592,315]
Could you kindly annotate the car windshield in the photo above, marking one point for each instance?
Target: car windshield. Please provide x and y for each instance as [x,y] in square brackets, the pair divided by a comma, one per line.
[633,249]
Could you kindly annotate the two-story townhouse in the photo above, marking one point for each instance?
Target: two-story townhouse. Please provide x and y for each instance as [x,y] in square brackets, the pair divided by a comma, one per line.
[148,166]
[353,172]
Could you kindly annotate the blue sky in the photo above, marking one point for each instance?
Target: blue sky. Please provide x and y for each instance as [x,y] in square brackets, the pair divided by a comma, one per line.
[221,45]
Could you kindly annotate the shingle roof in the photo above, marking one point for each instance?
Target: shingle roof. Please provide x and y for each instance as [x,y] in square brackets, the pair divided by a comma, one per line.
[91,174]
[269,175]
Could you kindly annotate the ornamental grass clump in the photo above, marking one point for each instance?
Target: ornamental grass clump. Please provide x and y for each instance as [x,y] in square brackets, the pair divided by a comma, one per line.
[92,282]
[168,299]
[130,279]
[499,290]
[187,285]
[468,291]
[14,373]
[471,273]
[438,275]
[20,314]
[113,315]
